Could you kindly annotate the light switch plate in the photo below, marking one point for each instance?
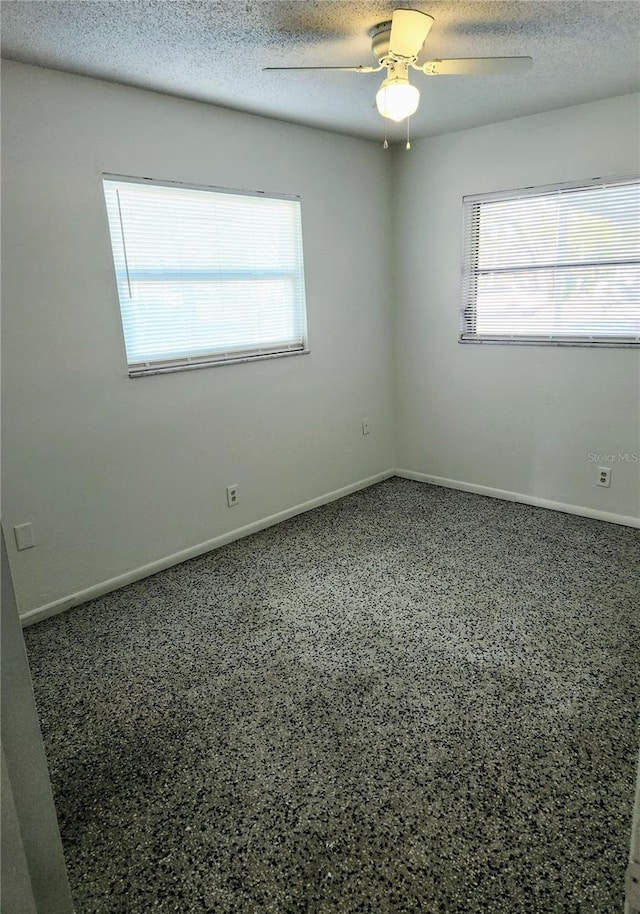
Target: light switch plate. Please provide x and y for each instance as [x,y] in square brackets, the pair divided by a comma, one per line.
[24,536]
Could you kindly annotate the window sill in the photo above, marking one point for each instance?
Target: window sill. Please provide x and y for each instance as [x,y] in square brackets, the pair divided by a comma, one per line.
[596,344]
[146,371]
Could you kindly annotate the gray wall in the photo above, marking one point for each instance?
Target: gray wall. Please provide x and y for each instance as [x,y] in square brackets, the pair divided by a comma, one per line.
[119,476]
[34,878]
[16,894]
[519,419]
[632,900]
[116,473]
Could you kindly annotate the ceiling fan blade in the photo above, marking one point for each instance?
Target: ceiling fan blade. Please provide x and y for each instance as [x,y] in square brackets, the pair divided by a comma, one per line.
[345,69]
[409,28]
[477,66]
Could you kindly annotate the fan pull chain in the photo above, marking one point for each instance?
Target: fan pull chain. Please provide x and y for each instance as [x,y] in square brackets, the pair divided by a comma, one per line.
[408,138]
[385,145]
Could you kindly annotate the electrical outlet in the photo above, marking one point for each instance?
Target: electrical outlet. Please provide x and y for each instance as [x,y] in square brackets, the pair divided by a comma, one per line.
[232,495]
[365,426]
[604,477]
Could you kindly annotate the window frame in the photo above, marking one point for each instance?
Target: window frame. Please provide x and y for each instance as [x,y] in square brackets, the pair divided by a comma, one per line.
[137,369]
[471,207]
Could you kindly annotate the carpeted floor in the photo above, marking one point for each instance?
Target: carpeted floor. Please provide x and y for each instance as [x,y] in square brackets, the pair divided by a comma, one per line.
[413,699]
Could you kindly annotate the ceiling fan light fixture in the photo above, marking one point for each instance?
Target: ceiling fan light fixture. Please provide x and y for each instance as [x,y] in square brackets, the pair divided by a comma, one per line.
[397,99]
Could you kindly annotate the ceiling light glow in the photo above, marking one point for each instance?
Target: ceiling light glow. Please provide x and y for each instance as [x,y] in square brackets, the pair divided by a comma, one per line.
[397,98]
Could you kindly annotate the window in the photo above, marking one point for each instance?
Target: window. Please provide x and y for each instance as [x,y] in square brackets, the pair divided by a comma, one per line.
[205,276]
[553,265]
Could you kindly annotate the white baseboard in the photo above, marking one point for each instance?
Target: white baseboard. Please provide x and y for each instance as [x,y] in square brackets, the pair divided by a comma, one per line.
[144,571]
[627,521]
[136,574]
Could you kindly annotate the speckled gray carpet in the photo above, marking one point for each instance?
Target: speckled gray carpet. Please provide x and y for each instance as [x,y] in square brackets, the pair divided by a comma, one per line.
[413,699]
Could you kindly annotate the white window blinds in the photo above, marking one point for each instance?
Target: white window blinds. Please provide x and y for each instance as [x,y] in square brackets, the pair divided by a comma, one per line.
[205,275]
[557,264]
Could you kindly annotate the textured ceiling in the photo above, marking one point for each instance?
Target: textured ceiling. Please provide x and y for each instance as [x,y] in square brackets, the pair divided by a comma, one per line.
[215,52]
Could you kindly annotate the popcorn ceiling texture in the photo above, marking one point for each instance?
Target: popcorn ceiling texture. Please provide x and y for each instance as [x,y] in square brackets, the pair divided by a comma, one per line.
[215,52]
[413,699]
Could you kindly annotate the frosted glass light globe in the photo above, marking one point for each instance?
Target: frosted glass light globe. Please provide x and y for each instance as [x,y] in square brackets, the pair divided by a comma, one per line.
[397,99]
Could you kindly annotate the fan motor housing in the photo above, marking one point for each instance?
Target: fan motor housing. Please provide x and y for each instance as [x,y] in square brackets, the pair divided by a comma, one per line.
[380,35]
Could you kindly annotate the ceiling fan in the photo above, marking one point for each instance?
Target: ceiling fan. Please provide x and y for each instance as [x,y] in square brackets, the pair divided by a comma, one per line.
[397,43]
